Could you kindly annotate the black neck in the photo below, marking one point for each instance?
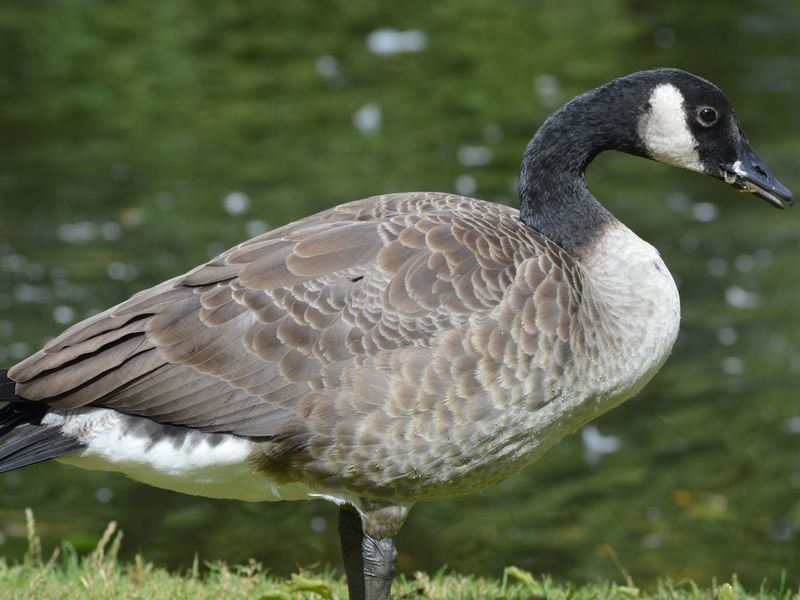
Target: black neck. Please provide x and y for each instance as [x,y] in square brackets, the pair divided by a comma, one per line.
[554,198]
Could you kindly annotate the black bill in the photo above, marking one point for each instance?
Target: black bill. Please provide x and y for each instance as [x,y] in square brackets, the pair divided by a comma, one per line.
[749,174]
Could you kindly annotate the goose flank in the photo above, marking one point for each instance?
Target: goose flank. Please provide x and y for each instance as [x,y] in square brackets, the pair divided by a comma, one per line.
[395,349]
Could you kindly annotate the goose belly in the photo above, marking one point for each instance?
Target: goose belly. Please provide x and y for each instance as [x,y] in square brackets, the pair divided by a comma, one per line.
[180,459]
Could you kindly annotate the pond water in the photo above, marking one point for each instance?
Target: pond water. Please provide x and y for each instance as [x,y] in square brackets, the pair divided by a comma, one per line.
[140,140]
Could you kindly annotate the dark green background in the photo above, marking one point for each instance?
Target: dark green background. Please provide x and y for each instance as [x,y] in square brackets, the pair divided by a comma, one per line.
[123,126]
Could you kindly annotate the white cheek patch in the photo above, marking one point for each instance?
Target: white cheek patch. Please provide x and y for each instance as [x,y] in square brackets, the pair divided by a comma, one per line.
[664,130]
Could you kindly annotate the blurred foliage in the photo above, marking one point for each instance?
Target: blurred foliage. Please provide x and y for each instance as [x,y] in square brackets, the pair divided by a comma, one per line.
[125,126]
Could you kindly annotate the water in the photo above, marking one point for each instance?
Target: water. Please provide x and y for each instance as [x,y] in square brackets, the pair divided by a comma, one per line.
[138,142]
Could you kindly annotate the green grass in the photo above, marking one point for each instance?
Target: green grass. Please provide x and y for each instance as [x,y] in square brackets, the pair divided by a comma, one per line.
[99,575]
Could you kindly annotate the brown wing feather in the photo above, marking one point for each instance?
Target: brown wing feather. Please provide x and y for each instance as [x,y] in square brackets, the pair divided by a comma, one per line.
[251,342]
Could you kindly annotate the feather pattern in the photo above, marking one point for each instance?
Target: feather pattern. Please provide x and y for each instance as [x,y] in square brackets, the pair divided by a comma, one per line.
[365,347]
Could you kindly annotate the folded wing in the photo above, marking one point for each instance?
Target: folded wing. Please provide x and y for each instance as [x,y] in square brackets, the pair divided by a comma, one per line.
[237,344]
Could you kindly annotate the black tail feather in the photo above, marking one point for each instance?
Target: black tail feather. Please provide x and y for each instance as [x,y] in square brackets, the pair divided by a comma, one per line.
[19,413]
[36,445]
[7,386]
[27,441]
[19,410]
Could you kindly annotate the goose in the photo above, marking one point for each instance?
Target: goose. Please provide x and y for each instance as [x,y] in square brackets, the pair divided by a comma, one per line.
[395,349]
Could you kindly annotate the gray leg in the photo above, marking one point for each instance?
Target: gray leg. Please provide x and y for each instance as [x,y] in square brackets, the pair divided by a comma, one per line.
[368,562]
[379,557]
[351,537]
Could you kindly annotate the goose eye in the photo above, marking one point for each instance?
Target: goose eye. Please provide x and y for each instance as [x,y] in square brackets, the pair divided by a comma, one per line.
[707,116]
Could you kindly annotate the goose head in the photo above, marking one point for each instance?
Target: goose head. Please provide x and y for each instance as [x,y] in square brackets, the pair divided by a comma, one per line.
[667,115]
[688,122]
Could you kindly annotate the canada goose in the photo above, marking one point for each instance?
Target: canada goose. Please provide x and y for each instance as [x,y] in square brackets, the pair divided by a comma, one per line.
[394,349]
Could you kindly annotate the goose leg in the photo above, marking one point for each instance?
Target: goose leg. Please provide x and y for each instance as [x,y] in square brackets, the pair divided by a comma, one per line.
[351,538]
[379,557]
[368,562]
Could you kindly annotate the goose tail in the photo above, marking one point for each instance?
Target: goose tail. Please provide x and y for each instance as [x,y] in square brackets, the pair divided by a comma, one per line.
[25,439]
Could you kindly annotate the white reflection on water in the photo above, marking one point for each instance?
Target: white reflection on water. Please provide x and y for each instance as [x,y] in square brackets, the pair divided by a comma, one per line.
[79,232]
[236,203]
[256,227]
[741,298]
[327,66]
[104,495]
[392,41]
[474,156]
[792,425]
[111,231]
[121,271]
[744,263]
[466,185]
[318,523]
[596,445]
[63,314]
[727,336]
[548,89]
[732,365]
[19,350]
[12,262]
[678,201]
[26,293]
[368,118]
[704,212]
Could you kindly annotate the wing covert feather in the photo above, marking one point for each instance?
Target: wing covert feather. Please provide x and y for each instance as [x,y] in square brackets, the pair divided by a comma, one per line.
[251,342]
